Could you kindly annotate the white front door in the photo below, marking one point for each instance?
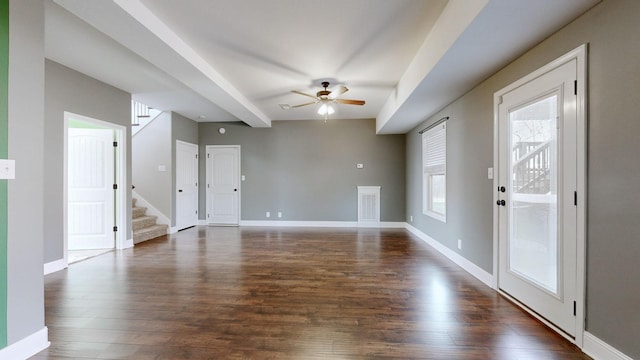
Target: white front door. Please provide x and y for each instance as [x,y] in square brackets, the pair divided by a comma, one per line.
[90,180]
[537,183]
[223,187]
[186,185]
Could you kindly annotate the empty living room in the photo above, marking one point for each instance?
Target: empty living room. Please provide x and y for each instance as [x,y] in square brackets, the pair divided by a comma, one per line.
[293,179]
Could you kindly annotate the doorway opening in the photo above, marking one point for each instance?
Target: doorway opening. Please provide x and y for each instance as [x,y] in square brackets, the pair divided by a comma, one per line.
[94,187]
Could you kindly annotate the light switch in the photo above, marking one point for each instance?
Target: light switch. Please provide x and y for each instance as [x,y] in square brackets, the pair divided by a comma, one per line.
[242,177]
[162,168]
[7,169]
[490,173]
[359,166]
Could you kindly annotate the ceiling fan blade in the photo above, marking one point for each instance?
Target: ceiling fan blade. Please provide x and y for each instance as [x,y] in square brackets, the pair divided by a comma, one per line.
[349,102]
[337,92]
[303,94]
[305,104]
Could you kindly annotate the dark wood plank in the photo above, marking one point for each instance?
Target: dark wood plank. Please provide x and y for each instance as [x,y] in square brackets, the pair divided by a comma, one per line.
[285,293]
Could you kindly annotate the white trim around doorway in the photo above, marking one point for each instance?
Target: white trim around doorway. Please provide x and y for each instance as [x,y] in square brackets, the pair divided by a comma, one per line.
[120,133]
[580,55]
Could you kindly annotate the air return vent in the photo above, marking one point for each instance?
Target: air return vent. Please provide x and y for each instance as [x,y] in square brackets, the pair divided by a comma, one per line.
[368,204]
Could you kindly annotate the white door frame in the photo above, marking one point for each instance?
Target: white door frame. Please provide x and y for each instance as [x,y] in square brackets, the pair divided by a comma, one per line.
[580,55]
[120,207]
[197,151]
[208,190]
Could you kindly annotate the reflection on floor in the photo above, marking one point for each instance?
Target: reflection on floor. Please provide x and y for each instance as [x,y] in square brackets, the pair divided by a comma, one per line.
[79,255]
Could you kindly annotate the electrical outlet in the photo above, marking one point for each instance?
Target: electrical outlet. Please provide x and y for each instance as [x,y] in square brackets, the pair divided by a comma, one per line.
[411,218]
[279,214]
[268,214]
[459,244]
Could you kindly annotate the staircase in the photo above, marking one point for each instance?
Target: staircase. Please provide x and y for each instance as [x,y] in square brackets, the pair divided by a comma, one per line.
[145,227]
[532,167]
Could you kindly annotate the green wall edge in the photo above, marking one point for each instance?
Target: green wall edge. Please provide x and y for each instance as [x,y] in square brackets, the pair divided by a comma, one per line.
[4,150]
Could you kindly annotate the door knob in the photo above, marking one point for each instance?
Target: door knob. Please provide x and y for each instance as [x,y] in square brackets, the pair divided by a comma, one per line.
[501,202]
[235,189]
[501,189]
[179,190]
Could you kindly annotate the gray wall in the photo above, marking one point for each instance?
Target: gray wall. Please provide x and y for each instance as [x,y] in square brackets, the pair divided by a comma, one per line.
[186,130]
[613,249]
[152,148]
[71,91]
[307,169]
[469,196]
[25,200]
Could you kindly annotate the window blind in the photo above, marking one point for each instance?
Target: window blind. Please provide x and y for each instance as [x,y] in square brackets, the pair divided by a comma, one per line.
[434,145]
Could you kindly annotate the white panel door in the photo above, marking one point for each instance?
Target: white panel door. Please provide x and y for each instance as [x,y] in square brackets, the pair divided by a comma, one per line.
[223,190]
[186,185]
[90,178]
[537,210]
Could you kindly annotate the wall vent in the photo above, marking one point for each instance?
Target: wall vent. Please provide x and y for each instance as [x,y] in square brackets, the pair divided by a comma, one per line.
[368,204]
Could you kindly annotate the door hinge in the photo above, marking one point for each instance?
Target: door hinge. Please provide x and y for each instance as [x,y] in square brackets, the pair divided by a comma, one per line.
[196,184]
[196,212]
[115,186]
[208,156]
[575,87]
[575,198]
[207,216]
[196,156]
[115,228]
[574,308]
[115,144]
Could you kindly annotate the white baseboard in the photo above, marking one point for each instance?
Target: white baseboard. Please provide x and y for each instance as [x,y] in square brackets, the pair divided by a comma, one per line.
[151,210]
[54,266]
[600,350]
[27,347]
[127,244]
[340,224]
[299,223]
[458,259]
[382,225]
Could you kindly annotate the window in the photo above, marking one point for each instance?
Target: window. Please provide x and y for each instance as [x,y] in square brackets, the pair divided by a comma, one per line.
[434,172]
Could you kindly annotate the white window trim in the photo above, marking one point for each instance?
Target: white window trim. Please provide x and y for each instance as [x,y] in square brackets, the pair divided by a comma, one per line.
[428,170]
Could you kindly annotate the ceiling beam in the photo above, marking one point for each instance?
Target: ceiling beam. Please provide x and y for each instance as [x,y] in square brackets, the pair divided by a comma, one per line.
[130,23]
[454,20]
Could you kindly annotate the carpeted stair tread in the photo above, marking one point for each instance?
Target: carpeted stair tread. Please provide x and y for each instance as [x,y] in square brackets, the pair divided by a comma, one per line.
[148,233]
[143,222]
[137,212]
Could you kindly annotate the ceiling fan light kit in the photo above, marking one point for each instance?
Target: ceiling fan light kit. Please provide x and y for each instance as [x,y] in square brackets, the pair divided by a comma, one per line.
[326,110]
[326,98]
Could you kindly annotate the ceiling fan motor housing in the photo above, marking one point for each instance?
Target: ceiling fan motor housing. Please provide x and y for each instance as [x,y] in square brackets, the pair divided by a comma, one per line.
[324,93]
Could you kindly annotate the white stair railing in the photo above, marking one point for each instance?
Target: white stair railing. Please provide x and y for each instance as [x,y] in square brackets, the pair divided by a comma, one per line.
[141,115]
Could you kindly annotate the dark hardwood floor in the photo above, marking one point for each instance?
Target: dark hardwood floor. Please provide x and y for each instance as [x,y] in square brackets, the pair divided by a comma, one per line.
[285,293]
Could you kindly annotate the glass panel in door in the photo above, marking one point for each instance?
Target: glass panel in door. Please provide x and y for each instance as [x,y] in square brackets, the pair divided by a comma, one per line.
[533,230]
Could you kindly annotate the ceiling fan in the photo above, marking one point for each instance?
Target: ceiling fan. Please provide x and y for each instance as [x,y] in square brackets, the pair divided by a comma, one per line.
[326,98]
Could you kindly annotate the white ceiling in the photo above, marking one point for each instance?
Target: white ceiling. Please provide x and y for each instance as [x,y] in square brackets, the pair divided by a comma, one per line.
[230,60]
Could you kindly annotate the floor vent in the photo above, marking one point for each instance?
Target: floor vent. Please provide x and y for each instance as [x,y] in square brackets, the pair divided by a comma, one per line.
[368,204]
